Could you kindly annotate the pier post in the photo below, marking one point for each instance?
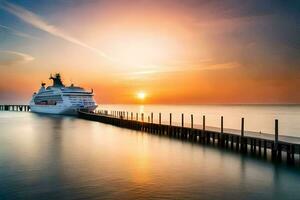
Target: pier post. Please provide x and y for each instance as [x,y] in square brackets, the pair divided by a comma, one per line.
[276,150]
[243,145]
[192,121]
[203,123]
[159,118]
[170,119]
[127,115]
[204,135]
[276,134]
[242,127]
[222,135]
[131,115]
[152,117]
[221,124]
[142,115]
[182,120]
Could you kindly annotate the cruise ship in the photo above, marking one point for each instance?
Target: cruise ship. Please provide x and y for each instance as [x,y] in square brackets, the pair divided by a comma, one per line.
[61,99]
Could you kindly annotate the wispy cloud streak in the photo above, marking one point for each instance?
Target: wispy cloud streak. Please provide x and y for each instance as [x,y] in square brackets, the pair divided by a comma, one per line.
[17,33]
[171,68]
[37,22]
[13,57]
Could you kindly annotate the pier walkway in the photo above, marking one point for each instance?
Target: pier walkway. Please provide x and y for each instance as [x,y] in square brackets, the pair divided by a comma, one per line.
[277,148]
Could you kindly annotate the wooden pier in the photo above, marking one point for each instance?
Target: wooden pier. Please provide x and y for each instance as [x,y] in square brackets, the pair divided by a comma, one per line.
[262,145]
[21,108]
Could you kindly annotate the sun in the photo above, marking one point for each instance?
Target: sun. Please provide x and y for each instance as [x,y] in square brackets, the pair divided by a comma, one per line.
[141,95]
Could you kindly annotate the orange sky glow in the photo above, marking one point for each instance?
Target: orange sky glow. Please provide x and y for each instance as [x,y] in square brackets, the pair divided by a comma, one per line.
[175,53]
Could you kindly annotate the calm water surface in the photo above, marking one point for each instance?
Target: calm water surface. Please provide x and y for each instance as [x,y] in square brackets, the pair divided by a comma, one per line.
[53,157]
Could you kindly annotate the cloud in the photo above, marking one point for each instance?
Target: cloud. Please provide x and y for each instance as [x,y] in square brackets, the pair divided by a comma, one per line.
[9,58]
[171,68]
[37,22]
[17,33]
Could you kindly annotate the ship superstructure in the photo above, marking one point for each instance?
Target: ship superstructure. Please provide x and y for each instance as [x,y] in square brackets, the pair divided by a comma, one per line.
[61,99]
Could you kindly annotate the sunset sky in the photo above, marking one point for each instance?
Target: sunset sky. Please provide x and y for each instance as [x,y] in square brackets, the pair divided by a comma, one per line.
[171,51]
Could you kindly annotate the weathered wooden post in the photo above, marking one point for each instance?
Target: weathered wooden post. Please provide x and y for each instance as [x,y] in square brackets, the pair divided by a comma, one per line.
[142,117]
[127,115]
[277,151]
[192,121]
[276,134]
[170,119]
[203,123]
[204,138]
[148,119]
[182,120]
[242,128]
[222,130]
[243,145]
[159,118]
[152,117]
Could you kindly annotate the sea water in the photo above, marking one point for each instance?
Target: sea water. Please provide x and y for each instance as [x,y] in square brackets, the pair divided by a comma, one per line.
[60,157]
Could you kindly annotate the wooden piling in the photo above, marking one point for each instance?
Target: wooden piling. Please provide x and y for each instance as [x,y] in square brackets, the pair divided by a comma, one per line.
[242,128]
[276,134]
[151,117]
[159,118]
[221,124]
[203,123]
[243,145]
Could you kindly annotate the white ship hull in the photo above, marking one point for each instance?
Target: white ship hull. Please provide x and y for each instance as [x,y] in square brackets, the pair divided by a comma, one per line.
[59,109]
[61,100]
